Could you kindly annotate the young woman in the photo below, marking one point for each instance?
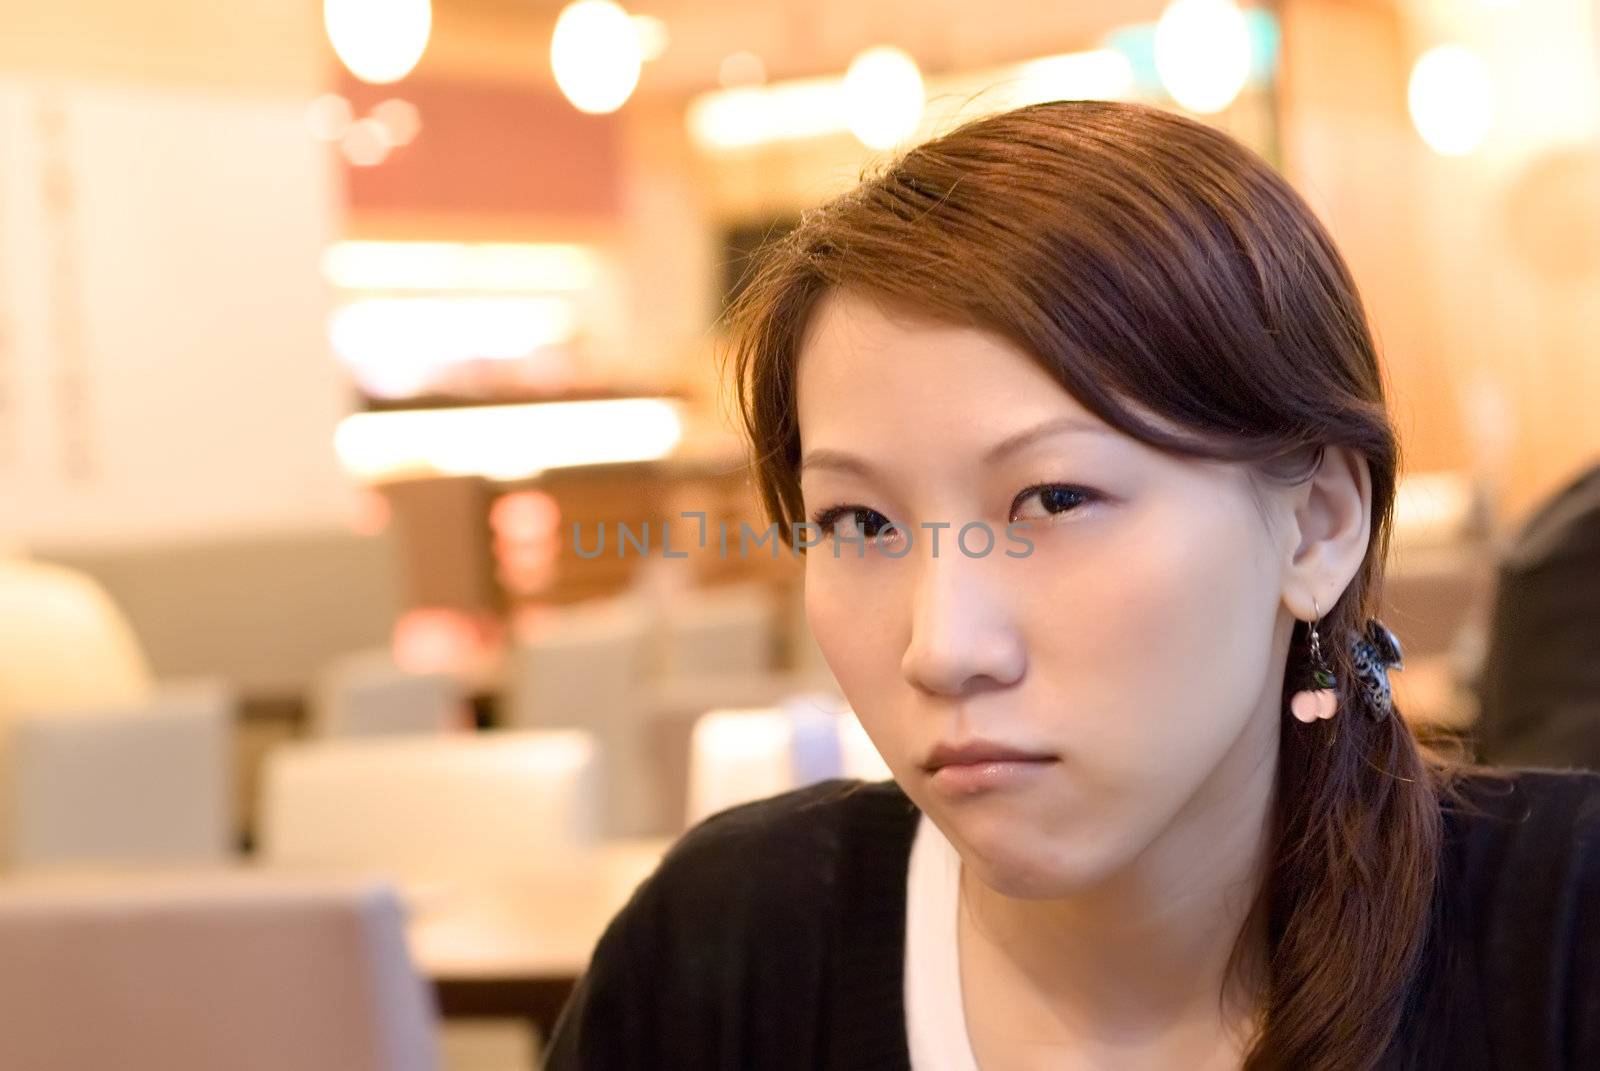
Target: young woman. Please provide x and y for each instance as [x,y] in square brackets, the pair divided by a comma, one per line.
[1081,414]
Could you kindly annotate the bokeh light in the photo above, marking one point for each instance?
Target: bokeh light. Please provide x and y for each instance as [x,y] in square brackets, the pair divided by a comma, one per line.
[380,41]
[885,96]
[1451,98]
[596,56]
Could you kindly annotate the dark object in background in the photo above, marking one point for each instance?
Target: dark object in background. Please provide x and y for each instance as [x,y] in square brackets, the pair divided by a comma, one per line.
[1539,692]
[742,243]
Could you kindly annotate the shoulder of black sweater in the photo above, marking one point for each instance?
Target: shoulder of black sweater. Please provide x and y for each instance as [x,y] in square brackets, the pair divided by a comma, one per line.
[1495,816]
[1520,903]
[777,853]
[727,955]
[762,838]
[772,934]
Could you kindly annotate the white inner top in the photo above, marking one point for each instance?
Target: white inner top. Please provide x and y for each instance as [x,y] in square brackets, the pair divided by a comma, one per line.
[936,1022]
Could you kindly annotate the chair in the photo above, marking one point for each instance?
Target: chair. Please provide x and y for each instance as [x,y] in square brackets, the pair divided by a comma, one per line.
[249,975]
[578,663]
[365,693]
[736,756]
[719,631]
[860,755]
[63,642]
[264,610]
[740,755]
[472,804]
[586,667]
[149,782]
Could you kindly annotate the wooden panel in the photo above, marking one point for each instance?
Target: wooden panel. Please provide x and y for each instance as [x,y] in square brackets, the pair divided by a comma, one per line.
[610,497]
[442,530]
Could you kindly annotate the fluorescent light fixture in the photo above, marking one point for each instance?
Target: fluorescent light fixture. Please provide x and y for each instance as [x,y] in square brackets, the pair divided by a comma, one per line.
[732,119]
[396,346]
[506,442]
[778,111]
[1098,74]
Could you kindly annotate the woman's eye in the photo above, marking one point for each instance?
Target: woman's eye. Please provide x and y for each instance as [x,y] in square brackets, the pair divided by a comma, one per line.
[1053,499]
[860,523]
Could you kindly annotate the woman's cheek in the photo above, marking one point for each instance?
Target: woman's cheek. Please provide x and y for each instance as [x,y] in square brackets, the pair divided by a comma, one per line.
[859,623]
[1126,638]
[847,619]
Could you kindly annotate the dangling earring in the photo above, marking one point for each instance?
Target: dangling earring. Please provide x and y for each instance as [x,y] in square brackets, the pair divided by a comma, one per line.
[1322,700]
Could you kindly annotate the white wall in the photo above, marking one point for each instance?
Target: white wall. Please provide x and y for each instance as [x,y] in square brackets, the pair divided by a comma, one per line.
[175,293]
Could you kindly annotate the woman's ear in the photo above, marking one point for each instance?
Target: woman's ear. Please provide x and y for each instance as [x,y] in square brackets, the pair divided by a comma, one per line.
[1332,525]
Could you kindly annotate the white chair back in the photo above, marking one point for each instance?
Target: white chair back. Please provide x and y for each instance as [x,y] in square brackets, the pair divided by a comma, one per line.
[366,694]
[861,758]
[586,666]
[581,665]
[454,805]
[149,782]
[722,630]
[736,756]
[246,975]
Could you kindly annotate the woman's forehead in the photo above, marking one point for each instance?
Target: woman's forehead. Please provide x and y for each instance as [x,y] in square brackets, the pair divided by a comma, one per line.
[860,358]
[869,370]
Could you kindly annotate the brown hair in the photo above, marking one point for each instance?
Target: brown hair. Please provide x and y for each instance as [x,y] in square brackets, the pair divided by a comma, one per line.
[1150,261]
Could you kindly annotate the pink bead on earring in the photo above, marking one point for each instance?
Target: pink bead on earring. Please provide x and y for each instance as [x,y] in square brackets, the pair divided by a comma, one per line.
[1323,700]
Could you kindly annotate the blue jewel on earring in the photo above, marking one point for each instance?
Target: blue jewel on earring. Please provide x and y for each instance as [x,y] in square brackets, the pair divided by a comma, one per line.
[1374,654]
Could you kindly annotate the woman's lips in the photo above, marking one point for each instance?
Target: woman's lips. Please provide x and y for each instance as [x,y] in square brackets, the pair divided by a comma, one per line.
[958,779]
[958,768]
[976,750]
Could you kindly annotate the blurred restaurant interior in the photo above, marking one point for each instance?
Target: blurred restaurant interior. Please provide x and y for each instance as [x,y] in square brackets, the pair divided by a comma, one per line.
[324,326]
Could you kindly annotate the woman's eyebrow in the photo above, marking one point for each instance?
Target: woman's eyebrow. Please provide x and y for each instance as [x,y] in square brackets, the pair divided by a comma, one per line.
[1028,436]
[824,458]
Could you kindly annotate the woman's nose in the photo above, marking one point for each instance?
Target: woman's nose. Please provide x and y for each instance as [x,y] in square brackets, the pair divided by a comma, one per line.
[962,635]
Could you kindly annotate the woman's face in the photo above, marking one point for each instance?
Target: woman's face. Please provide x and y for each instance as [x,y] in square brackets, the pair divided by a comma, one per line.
[1137,649]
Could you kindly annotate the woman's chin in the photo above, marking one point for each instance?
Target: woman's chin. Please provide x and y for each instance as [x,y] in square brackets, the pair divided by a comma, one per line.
[1026,870]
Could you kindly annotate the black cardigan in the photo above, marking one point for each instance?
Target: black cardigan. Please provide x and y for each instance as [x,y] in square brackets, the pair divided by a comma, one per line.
[772,936]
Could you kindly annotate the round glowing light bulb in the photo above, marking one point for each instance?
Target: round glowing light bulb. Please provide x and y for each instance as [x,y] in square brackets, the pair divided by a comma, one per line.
[596,55]
[1451,98]
[380,41]
[884,95]
[1202,53]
